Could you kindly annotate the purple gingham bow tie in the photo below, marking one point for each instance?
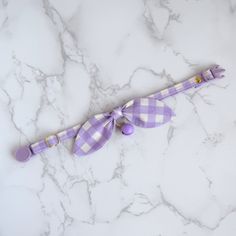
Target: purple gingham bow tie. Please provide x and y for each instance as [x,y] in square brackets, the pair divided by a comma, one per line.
[143,112]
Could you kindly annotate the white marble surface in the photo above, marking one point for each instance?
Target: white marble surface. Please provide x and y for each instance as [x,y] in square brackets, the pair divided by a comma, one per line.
[62,61]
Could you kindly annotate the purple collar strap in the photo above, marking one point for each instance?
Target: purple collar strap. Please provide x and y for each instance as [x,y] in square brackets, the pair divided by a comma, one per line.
[146,112]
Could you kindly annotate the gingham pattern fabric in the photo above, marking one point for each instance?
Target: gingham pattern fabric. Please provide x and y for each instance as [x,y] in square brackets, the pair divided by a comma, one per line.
[97,130]
[53,140]
[142,112]
[214,72]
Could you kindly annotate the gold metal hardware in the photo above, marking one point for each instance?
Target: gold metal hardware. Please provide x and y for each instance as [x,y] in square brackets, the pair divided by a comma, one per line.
[48,143]
[198,79]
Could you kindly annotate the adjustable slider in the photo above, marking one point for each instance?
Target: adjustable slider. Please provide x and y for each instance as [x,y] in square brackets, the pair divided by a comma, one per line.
[52,140]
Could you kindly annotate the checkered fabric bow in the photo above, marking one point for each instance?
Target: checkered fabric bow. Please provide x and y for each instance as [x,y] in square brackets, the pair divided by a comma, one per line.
[143,112]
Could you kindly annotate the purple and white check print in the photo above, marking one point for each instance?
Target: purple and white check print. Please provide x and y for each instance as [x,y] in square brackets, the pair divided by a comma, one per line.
[145,112]
[54,139]
[142,112]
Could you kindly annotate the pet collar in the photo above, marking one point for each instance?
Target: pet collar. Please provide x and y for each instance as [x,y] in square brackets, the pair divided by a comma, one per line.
[145,112]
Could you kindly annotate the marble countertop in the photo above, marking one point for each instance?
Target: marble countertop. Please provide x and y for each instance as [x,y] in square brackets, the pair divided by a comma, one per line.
[61,62]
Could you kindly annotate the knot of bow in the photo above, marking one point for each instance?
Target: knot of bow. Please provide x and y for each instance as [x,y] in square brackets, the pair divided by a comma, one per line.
[143,112]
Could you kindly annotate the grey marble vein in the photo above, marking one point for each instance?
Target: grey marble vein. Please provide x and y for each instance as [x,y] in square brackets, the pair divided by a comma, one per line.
[63,61]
